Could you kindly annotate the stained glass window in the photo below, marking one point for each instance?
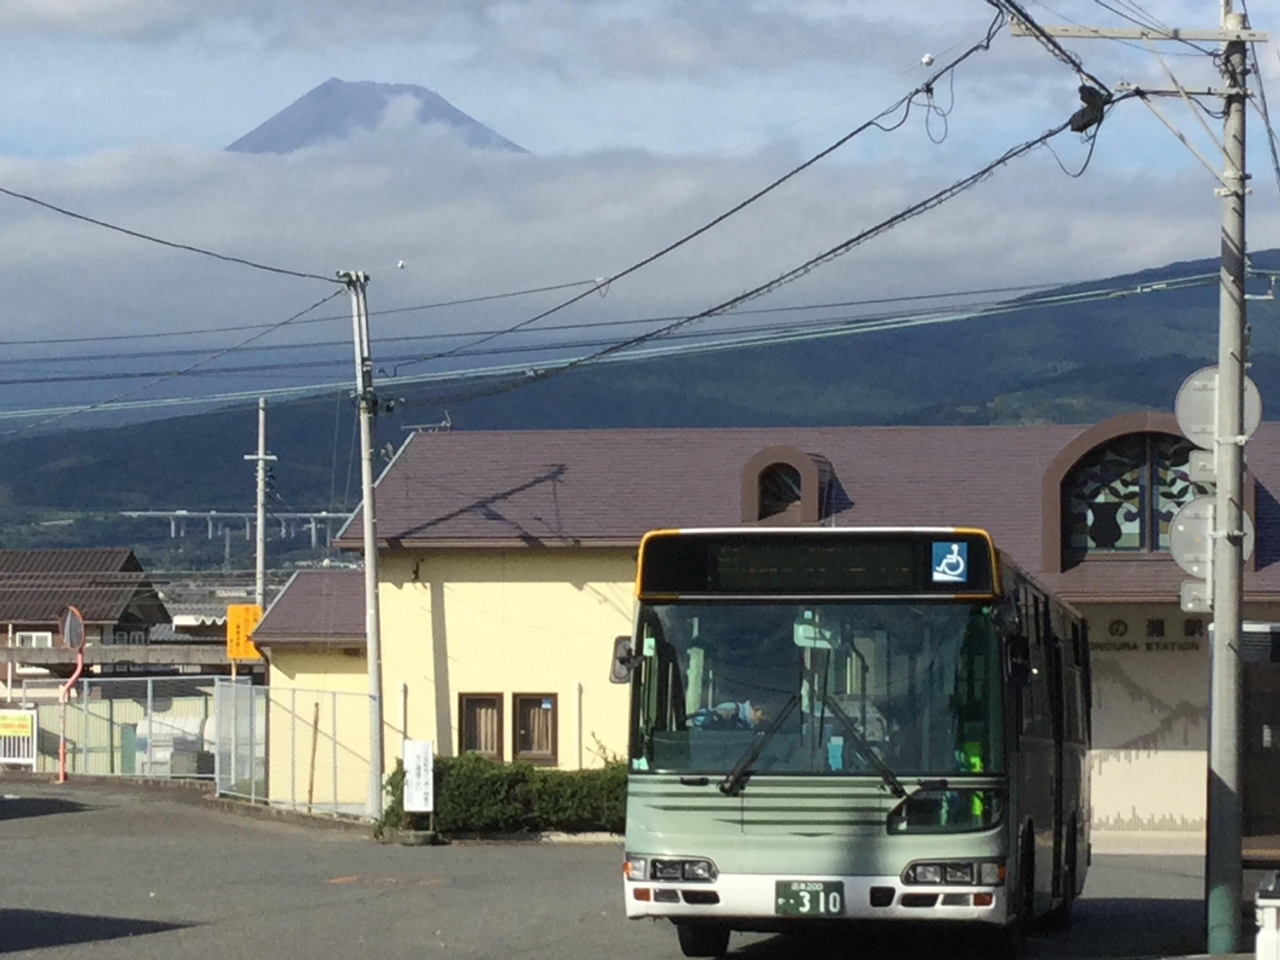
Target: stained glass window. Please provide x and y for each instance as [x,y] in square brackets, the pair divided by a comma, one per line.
[1122,495]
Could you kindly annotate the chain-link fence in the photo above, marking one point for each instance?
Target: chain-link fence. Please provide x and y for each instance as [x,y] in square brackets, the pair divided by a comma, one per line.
[297,748]
[144,727]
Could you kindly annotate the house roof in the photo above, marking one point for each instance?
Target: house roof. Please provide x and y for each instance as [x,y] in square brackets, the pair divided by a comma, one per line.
[608,487]
[316,606]
[37,585]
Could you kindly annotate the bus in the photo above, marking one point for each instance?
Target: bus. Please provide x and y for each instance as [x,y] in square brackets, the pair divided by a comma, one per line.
[851,724]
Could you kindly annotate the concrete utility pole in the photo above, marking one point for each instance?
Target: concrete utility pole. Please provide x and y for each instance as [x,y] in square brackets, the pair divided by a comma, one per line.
[1223,867]
[357,282]
[260,554]
[1224,880]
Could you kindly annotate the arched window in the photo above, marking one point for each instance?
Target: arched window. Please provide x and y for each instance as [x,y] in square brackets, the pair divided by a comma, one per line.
[783,484]
[779,489]
[1122,495]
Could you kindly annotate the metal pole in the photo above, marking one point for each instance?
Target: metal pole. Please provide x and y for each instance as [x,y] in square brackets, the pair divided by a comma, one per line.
[82,745]
[253,749]
[333,744]
[218,703]
[262,458]
[357,282]
[1223,868]
[151,728]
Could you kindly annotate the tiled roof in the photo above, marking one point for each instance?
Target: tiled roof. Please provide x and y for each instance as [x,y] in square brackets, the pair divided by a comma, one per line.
[608,487]
[36,585]
[316,606]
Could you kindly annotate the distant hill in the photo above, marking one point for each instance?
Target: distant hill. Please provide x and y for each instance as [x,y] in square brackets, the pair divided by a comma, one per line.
[336,109]
[1071,364]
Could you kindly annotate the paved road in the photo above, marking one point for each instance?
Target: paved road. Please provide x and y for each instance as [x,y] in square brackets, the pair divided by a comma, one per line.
[106,872]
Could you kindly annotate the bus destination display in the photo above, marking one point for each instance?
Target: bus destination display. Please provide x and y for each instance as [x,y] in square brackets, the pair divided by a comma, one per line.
[807,565]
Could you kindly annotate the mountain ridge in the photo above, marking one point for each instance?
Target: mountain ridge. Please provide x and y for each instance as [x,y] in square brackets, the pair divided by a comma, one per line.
[337,108]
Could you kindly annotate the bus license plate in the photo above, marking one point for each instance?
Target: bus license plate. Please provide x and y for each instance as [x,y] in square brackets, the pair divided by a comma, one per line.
[810,898]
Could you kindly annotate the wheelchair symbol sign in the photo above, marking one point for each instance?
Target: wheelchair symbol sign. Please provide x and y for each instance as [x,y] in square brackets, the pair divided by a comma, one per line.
[950,563]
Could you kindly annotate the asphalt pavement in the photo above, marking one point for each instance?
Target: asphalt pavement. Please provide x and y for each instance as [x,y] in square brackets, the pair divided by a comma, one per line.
[107,872]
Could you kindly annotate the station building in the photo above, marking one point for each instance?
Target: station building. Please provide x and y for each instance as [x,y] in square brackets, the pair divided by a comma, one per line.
[507,566]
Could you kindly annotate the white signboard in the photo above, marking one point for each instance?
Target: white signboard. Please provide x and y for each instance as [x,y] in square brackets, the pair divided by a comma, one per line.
[419,773]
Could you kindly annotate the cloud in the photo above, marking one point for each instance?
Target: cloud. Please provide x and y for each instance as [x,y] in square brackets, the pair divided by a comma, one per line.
[469,223]
[652,38]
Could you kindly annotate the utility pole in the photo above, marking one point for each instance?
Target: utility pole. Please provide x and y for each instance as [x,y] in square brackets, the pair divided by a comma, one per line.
[1224,879]
[357,282]
[260,556]
[1223,853]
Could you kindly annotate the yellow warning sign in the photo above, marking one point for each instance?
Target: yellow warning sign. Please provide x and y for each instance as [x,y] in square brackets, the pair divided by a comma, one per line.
[17,723]
[242,618]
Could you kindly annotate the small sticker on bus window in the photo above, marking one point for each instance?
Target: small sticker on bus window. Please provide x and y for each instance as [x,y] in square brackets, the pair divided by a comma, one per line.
[546,704]
[650,647]
[950,562]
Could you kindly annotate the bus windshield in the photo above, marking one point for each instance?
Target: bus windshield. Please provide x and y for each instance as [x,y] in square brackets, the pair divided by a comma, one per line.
[841,688]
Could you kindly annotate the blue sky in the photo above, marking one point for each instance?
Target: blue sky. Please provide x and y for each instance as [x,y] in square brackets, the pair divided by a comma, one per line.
[644,118]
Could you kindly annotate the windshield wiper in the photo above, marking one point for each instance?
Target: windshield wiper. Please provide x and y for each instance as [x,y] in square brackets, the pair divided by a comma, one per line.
[886,772]
[733,781]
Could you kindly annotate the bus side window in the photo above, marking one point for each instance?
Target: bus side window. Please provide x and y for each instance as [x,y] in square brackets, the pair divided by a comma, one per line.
[1035,695]
[1075,706]
[1031,627]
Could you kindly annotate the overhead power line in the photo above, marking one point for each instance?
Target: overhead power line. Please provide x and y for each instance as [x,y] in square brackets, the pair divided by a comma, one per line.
[753,332]
[161,241]
[161,334]
[1261,103]
[62,359]
[904,103]
[911,212]
[1015,11]
[115,400]
[809,330]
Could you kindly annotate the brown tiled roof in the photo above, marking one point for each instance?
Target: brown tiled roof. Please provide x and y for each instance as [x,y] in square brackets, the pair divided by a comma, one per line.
[316,606]
[607,487]
[36,585]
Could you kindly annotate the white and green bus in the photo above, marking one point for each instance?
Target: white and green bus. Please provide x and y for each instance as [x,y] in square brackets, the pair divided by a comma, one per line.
[835,724]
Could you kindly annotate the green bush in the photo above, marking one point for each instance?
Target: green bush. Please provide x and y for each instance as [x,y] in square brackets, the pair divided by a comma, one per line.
[477,795]
[576,801]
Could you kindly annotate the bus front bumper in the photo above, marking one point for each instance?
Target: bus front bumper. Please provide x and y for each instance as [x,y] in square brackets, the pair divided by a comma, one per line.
[752,897]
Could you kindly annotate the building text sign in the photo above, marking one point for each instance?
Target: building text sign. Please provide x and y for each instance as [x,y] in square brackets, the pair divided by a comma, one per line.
[242,618]
[419,773]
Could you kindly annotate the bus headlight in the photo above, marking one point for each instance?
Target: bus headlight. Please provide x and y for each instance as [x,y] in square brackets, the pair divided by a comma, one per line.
[701,870]
[667,870]
[674,871]
[925,873]
[958,873]
[635,868]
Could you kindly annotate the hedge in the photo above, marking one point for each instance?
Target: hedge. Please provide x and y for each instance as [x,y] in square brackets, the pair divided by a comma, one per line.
[477,795]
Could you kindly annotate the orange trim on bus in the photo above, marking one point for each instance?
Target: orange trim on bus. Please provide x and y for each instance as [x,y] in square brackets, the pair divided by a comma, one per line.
[644,542]
[997,587]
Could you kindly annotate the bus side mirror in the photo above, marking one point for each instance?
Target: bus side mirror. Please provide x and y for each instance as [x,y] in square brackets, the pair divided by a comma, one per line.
[624,661]
[1017,653]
